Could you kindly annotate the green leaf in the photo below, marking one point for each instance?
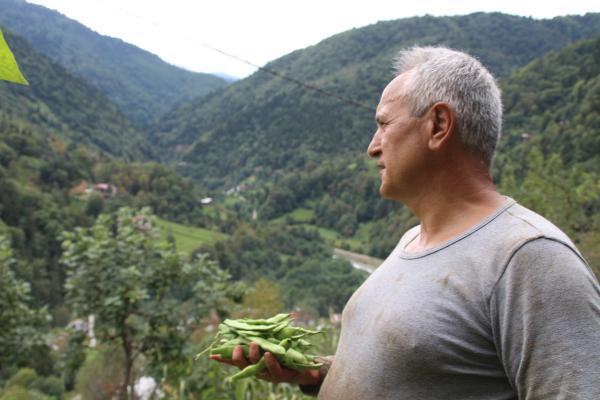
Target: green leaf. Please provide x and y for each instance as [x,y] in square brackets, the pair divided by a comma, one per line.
[9,69]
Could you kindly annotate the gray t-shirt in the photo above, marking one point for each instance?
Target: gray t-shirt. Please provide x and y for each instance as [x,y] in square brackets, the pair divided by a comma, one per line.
[507,310]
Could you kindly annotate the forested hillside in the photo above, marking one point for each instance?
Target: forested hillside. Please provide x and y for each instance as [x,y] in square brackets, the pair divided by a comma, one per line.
[553,104]
[59,102]
[44,181]
[270,124]
[141,84]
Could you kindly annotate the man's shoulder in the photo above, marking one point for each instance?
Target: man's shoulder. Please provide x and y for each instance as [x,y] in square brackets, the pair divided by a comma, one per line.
[523,225]
[510,226]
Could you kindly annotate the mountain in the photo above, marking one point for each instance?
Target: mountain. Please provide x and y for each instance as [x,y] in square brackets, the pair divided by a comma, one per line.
[67,106]
[140,83]
[263,124]
[553,104]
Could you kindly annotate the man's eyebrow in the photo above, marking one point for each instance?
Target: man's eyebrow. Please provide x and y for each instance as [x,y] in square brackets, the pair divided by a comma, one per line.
[380,117]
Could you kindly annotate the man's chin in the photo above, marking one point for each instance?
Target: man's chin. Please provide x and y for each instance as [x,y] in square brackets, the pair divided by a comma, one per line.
[387,193]
[383,192]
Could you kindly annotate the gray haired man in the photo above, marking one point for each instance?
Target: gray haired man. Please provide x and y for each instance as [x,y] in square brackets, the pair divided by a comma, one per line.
[484,299]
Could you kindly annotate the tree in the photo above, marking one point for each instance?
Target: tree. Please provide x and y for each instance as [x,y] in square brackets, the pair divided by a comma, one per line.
[147,299]
[94,205]
[22,326]
[262,300]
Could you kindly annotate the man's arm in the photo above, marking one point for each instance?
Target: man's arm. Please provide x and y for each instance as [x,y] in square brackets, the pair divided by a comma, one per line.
[545,313]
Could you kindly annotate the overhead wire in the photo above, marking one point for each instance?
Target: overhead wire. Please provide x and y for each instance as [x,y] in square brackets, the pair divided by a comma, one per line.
[268,70]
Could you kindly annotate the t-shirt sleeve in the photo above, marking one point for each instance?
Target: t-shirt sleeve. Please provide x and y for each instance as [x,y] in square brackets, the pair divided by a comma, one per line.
[545,316]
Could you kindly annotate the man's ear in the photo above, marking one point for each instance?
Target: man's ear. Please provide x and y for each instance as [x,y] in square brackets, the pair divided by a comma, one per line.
[443,121]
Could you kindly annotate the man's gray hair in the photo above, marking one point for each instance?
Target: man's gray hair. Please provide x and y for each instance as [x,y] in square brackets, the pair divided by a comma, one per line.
[442,74]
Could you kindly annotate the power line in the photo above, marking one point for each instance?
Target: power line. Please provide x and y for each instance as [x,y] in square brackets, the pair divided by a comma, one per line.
[271,71]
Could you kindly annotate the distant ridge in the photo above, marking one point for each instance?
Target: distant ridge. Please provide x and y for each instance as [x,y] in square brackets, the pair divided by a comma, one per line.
[140,83]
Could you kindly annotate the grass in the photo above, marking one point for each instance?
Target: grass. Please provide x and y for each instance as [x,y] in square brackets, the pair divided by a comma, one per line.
[334,239]
[298,216]
[188,238]
[304,217]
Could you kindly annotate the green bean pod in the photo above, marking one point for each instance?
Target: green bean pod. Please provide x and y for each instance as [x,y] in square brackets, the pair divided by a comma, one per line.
[268,346]
[249,371]
[232,323]
[226,352]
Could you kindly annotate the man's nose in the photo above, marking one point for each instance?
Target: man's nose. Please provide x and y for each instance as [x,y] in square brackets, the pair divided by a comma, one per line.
[374,149]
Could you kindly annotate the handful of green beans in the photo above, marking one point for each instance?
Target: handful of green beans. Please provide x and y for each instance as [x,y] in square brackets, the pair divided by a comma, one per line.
[275,335]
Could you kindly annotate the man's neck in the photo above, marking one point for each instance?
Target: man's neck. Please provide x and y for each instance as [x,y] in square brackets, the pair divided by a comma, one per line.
[447,208]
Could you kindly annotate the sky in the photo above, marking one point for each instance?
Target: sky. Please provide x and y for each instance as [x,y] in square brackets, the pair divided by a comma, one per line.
[262,30]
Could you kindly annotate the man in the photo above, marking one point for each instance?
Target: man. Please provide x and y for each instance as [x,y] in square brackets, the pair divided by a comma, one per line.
[484,299]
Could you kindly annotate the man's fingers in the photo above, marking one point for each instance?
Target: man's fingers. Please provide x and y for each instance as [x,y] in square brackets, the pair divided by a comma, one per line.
[254,353]
[238,357]
[218,358]
[273,366]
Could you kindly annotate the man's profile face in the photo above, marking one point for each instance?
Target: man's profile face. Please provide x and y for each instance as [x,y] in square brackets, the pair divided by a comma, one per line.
[399,143]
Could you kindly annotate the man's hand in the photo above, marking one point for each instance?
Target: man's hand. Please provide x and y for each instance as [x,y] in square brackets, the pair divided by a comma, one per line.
[274,372]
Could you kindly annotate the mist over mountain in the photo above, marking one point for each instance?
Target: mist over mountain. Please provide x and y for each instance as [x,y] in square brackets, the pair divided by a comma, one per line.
[227,77]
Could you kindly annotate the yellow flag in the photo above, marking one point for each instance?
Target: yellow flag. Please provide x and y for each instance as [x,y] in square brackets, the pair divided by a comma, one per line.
[9,69]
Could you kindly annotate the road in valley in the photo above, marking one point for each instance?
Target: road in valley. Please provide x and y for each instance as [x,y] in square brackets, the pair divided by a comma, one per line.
[359,261]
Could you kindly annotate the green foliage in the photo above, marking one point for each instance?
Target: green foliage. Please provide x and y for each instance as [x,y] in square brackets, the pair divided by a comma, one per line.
[553,104]
[26,384]
[73,358]
[293,257]
[322,285]
[100,376]
[262,299]
[94,205]
[23,327]
[147,298]
[142,85]
[34,203]
[25,377]
[21,393]
[52,386]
